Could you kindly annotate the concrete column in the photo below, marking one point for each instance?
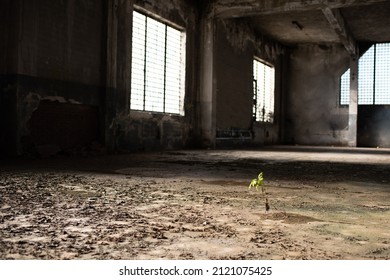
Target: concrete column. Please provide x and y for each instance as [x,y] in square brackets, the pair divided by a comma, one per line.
[118,71]
[353,102]
[208,84]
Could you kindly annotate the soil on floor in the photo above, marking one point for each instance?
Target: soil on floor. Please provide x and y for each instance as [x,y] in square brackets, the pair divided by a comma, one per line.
[325,204]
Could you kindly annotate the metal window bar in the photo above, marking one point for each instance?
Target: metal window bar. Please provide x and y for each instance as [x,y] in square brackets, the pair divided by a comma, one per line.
[165,67]
[366,77]
[374,82]
[344,88]
[374,78]
[265,77]
[254,110]
[382,74]
[157,66]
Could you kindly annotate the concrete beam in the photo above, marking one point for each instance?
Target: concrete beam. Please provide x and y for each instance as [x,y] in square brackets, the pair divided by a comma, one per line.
[245,8]
[337,22]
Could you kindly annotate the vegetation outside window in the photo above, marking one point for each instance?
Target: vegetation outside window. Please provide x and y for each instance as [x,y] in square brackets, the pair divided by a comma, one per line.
[263,88]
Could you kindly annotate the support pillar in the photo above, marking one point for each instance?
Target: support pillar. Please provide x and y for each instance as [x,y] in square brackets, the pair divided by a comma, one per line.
[208,85]
[353,102]
[118,69]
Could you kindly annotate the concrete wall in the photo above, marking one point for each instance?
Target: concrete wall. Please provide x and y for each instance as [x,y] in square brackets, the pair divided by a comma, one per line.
[138,130]
[8,86]
[3,56]
[54,52]
[234,63]
[4,19]
[78,54]
[373,128]
[313,113]
[62,40]
[236,47]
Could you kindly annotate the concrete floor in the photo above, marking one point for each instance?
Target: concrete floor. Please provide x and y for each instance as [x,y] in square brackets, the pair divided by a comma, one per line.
[326,203]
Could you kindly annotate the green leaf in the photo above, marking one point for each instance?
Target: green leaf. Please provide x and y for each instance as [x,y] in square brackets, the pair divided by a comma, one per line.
[253,184]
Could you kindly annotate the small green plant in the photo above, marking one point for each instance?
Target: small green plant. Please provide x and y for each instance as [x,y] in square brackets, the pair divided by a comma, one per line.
[259,183]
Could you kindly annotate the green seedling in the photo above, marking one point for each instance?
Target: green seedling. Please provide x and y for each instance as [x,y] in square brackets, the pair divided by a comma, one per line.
[258,183]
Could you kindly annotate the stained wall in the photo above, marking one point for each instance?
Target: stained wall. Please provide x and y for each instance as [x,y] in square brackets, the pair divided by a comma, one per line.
[314,115]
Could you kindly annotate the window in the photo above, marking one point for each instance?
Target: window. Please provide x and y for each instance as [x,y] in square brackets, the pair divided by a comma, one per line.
[263,87]
[158,63]
[374,81]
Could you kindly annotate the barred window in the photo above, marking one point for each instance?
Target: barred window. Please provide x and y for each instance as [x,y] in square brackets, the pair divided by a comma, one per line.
[263,91]
[158,66]
[374,77]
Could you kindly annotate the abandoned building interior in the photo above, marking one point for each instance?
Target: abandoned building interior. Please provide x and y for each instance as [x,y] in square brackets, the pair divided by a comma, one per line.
[131,129]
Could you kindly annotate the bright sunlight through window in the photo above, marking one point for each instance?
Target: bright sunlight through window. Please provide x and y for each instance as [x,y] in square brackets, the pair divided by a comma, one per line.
[158,63]
[263,88]
[374,81]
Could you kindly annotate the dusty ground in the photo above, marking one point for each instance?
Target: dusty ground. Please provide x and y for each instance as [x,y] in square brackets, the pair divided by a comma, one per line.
[326,203]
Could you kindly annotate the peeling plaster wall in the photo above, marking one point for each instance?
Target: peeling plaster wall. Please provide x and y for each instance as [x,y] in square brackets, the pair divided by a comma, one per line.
[148,131]
[155,131]
[236,47]
[54,51]
[77,53]
[314,116]
[180,12]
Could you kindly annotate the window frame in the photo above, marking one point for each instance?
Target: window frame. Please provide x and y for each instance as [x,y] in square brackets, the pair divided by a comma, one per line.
[163,100]
[373,95]
[267,115]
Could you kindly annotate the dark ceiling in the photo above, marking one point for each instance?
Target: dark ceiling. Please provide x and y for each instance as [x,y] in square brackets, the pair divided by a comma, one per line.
[369,23]
[348,22]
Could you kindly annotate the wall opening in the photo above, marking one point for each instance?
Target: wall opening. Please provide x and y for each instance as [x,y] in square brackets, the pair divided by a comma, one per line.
[263,91]
[374,82]
[158,66]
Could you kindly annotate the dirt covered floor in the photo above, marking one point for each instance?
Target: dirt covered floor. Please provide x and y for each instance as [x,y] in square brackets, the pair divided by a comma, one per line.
[326,203]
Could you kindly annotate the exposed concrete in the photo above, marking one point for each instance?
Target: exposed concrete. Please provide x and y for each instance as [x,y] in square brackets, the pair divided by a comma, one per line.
[296,27]
[51,52]
[241,8]
[337,22]
[353,102]
[314,115]
[79,52]
[236,46]
[235,87]
[317,21]
[118,68]
[207,101]
[56,42]
[373,126]
[369,23]
[154,131]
